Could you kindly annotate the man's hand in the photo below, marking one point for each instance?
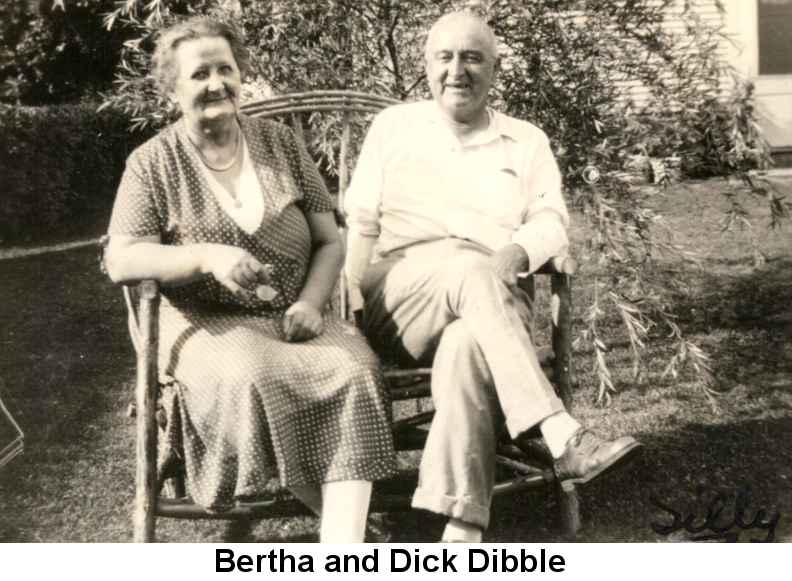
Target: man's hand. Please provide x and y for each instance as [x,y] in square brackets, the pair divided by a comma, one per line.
[302,321]
[508,262]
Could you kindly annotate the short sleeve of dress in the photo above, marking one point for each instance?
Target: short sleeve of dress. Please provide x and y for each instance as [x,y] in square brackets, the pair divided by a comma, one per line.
[315,195]
[134,211]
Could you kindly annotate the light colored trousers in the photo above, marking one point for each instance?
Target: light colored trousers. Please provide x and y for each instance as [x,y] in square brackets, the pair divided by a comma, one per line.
[440,303]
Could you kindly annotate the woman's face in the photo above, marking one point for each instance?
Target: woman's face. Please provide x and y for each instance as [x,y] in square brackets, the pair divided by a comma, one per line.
[208,81]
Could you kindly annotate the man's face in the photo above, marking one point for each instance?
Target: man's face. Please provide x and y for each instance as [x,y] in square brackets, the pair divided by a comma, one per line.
[461,68]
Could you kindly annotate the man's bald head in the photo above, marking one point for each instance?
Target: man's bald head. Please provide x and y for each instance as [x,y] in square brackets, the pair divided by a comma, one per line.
[460,19]
[461,65]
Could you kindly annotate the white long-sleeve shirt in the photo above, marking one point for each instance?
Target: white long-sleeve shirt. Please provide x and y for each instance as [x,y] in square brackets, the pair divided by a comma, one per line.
[415,182]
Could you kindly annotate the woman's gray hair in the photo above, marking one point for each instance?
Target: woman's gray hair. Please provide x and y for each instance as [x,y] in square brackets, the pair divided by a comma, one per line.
[166,67]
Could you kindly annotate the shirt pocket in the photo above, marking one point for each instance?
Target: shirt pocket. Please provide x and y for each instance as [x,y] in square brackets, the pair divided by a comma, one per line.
[504,197]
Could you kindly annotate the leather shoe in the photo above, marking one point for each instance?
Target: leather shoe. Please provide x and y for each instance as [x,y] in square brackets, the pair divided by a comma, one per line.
[377,534]
[587,456]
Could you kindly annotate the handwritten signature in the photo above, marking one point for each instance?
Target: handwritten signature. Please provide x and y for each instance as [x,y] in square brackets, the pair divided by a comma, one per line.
[713,514]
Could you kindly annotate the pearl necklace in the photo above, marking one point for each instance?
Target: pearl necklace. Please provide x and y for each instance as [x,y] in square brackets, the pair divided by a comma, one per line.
[233,160]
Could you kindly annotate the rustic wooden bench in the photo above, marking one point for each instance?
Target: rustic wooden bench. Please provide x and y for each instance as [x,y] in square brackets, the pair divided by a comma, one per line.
[527,463]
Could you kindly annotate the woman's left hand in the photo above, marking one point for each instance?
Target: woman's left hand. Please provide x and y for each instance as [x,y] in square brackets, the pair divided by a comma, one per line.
[302,321]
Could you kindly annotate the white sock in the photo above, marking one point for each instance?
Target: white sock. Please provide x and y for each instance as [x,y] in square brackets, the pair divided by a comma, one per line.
[557,430]
[458,531]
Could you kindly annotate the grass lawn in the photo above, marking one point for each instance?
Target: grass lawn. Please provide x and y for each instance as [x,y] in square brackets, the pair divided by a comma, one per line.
[67,373]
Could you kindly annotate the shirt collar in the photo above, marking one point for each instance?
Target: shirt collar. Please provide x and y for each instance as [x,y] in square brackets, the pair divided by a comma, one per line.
[499,126]
[503,126]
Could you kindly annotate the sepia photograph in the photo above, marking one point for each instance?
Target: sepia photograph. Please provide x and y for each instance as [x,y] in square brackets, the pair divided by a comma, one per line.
[396,271]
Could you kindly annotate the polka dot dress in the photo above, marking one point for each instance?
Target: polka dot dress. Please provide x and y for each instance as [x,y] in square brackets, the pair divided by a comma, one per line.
[317,409]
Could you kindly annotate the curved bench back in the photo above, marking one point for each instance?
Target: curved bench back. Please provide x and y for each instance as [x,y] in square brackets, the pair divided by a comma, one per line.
[298,104]
[313,101]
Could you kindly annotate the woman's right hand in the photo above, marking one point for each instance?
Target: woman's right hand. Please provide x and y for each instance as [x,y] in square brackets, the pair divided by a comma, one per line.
[236,269]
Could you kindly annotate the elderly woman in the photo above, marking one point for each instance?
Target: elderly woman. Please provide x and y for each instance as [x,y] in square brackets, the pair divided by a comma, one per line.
[231,217]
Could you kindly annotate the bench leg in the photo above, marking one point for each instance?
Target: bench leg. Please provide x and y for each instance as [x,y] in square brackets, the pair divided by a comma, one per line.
[146,398]
[569,509]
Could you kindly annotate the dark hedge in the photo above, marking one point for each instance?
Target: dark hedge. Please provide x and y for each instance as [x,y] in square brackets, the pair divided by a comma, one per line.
[59,170]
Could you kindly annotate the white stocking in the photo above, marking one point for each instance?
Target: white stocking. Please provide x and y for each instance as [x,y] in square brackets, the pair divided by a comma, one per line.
[345,507]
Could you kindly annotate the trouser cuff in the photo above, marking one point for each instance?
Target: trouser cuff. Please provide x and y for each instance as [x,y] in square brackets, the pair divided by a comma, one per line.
[461,508]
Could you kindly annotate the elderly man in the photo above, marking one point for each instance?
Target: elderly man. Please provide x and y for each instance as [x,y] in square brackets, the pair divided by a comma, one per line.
[449,202]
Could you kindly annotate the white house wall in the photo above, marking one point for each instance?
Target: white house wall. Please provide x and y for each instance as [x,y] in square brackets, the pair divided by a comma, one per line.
[773,93]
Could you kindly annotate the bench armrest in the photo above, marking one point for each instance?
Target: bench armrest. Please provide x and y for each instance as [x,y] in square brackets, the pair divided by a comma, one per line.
[559,265]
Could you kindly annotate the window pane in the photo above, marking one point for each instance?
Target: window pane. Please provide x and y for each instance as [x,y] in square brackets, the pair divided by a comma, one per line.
[775,37]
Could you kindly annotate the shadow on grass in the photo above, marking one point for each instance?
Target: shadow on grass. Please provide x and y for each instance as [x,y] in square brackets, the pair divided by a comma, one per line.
[745,298]
[744,320]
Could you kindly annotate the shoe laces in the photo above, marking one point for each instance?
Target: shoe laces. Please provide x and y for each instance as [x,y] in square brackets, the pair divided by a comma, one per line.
[584,435]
